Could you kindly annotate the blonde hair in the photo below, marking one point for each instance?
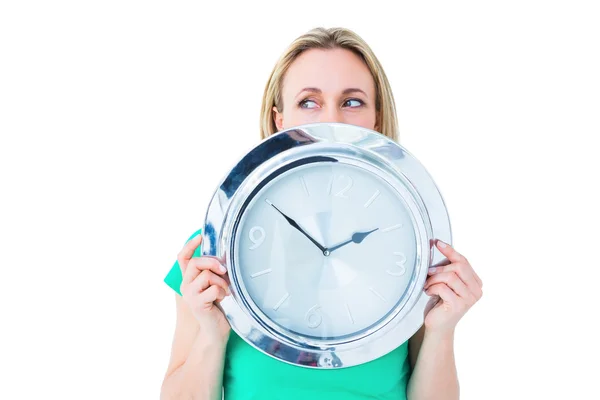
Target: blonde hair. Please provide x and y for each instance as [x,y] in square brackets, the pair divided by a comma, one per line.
[322,38]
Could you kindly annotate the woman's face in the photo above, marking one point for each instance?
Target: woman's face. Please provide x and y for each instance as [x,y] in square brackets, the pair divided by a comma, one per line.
[327,86]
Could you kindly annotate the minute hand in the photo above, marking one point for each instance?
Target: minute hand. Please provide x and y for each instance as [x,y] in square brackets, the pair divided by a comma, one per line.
[356,238]
[295,225]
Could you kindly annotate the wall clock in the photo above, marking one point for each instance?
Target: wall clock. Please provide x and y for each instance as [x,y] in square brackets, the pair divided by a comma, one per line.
[327,231]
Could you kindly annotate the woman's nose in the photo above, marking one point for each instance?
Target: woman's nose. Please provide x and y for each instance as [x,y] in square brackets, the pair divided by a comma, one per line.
[332,114]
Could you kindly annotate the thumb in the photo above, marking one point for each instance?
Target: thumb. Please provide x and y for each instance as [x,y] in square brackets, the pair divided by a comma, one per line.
[187,252]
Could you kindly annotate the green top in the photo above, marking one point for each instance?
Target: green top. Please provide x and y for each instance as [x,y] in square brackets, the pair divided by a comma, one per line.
[250,374]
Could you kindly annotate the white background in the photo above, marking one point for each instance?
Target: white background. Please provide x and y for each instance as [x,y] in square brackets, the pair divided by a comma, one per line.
[118,119]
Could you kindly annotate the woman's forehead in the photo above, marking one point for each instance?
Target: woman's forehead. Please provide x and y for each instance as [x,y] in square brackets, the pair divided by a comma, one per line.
[331,71]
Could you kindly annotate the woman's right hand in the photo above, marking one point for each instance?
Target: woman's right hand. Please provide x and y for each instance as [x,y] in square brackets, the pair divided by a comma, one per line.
[204,284]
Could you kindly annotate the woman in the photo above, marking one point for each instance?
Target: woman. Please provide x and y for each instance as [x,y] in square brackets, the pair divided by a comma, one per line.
[326,75]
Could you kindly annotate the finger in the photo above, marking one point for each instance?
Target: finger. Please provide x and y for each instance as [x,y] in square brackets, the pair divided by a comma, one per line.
[212,294]
[448,296]
[187,252]
[464,272]
[198,264]
[449,251]
[206,279]
[452,280]
[455,257]
[442,263]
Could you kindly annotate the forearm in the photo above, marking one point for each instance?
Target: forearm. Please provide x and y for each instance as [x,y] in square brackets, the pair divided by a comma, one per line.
[201,376]
[434,376]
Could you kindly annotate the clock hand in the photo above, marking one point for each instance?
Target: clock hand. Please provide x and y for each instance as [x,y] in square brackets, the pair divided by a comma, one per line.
[356,238]
[295,225]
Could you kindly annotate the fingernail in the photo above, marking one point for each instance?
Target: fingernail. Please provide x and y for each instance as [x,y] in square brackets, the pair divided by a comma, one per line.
[228,291]
[432,270]
[223,269]
[441,244]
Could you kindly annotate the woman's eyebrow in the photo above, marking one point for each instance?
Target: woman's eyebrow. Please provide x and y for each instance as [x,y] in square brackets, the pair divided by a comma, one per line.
[351,90]
[319,91]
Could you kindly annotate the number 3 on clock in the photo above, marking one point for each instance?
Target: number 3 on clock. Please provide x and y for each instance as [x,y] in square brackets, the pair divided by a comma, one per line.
[401,268]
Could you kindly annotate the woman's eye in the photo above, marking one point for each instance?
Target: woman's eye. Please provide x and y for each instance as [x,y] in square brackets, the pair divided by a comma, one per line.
[303,102]
[353,103]
[356,101]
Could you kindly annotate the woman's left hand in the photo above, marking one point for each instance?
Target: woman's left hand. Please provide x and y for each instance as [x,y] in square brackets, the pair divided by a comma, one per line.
[457,285]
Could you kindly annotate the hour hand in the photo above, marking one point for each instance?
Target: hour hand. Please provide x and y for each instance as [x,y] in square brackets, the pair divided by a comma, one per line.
[295,225]
[356,238]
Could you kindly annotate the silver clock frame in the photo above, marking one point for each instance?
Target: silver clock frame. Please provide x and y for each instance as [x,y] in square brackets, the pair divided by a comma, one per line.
[326,142]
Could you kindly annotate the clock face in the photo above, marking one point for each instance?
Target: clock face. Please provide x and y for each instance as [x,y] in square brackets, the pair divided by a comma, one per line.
[325,250]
